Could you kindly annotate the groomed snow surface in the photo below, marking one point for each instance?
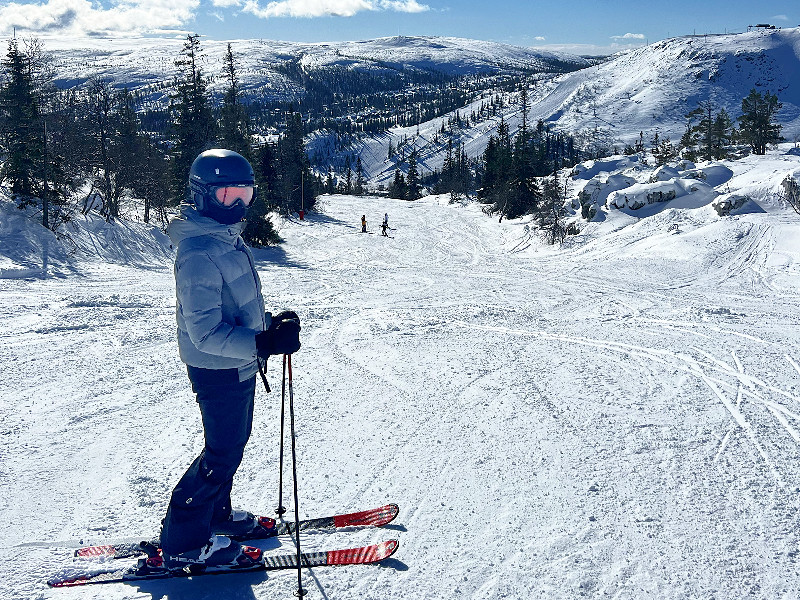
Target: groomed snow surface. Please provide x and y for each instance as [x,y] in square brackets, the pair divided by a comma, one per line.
[615,418]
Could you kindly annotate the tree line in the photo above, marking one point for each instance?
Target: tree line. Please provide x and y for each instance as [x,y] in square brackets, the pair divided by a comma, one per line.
[93,143]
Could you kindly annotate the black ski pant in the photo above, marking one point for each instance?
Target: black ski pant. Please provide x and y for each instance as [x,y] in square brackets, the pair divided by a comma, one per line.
[203,495]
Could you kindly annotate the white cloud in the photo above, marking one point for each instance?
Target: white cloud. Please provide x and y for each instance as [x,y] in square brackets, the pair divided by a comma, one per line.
[81,17]
[226,3]
[779,18]
[629,36]
[326,8]
[540,38]
[409,6]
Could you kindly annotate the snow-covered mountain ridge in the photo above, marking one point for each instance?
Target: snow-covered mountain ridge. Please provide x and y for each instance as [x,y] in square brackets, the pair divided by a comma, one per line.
[652,88]
[139,63]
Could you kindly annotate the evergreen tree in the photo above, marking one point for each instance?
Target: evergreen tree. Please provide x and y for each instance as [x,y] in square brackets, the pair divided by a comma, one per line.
[413,187]
[101,107]
[234,122]
[704,130]
[664,152]
[347,185]
[722,134]
[639,145]
[259,230]
[397,189]
[361,182]
[330,184]
[294,182]
[756,126]
[552,214]
[193,125]
[22,127]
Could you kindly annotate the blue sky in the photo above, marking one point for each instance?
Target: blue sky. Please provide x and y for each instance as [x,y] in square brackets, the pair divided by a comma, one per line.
[588,26]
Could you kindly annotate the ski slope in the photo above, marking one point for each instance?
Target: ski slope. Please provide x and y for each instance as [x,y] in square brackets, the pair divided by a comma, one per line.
[618,418]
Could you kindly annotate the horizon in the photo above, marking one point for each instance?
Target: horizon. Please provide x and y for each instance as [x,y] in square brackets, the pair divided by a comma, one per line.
[588,27]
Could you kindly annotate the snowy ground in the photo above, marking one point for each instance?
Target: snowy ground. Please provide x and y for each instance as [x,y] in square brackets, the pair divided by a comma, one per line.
[619,418]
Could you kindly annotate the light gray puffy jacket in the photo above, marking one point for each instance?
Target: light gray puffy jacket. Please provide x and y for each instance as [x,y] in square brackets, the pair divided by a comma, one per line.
[220,306]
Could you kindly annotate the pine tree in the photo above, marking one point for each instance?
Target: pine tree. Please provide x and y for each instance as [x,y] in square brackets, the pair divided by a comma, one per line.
[361,182]
[397,189]
[22,128]
[234,122]
[551,213]
[193,124]
[664,152]
[294,184]
[413,188]
[259,230]
[722,134]
[101,107]
[756,126]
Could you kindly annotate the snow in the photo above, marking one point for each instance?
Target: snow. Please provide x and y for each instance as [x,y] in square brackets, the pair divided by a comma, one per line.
[617,417]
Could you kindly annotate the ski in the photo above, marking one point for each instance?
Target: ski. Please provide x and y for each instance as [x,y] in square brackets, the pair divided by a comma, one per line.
[151,568]
[376,517]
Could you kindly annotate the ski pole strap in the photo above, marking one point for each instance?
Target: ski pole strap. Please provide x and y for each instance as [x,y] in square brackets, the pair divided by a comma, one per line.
[261,371]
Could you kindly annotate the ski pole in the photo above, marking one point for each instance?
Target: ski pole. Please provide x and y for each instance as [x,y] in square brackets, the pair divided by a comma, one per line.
[300,591]
[281,509]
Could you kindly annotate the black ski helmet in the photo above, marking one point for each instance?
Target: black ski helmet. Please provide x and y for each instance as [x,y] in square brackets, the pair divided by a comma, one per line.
[217,168]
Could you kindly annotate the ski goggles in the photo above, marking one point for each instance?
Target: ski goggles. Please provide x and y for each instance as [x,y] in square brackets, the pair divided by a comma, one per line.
[229,195]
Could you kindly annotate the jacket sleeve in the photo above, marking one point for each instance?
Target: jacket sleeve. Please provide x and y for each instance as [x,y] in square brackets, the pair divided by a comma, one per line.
[199,292]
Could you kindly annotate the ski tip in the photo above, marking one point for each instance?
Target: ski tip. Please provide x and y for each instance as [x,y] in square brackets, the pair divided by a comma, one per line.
[363,556]
[376,517]
[95,551]
[68,581]
[387,548]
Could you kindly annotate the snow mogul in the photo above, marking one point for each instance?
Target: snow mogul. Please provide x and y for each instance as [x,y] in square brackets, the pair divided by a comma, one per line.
[223,331]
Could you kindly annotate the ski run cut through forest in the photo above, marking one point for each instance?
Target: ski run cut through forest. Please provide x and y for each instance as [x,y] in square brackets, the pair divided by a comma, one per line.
[618,416]
[614,416]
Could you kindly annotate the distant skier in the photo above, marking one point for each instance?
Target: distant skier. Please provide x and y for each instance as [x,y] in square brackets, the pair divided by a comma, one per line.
[384,227]
[363,223]
[222,331]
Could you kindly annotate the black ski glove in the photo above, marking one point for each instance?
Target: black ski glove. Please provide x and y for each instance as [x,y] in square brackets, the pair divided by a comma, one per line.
[282,337]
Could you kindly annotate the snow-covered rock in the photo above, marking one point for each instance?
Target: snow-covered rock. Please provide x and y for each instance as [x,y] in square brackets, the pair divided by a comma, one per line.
[664,173]
[642,194]
[598,188]
[727,203]
[590,168]
[713,174]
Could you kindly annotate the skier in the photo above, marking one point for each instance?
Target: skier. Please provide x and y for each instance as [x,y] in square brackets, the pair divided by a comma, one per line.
[384,227]
[363,223]
[222,332]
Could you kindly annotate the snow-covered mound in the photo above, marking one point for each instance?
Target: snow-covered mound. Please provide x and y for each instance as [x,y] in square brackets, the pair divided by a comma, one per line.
[27,249]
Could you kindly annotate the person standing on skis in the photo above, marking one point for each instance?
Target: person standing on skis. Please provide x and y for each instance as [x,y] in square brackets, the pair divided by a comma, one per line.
[223,331]
[363,223]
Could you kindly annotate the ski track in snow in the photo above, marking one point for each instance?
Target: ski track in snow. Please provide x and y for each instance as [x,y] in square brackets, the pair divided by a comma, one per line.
[578,423]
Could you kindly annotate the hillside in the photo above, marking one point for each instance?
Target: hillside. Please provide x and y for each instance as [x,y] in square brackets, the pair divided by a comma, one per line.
[647,90]
[652,88]
[146,64]
[617,417]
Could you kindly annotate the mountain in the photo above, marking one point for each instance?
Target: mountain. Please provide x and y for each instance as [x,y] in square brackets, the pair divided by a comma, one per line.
[147,63]
[651,89]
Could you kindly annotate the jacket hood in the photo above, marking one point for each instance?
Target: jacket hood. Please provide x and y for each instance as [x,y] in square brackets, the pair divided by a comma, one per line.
[190,223]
